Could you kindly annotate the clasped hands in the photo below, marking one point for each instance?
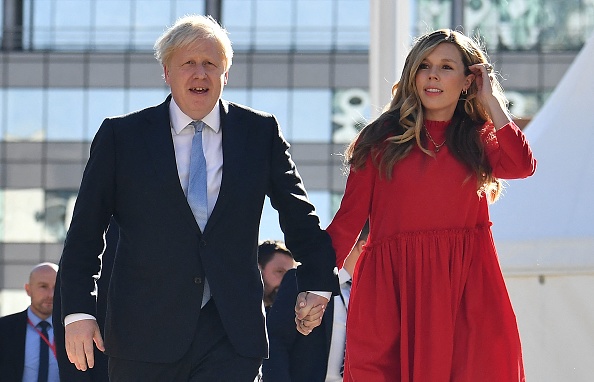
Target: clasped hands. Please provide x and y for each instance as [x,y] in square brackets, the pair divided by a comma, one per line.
[309,310]
[82,335]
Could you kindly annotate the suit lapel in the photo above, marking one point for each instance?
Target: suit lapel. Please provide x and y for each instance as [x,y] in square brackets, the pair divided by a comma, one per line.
[234,138]
[160,146]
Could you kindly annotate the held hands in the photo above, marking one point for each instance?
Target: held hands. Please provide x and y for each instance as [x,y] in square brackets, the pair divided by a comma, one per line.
[309,310]
[79,337]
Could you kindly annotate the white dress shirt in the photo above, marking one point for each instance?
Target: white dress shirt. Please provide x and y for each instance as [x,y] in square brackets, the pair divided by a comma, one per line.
[32,342]
[212,144]
[337,344]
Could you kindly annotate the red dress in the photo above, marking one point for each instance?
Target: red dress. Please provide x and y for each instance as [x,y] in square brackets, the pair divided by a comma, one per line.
[429,302]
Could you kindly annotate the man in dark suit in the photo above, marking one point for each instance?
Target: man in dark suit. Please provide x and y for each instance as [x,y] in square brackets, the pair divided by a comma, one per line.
[68,371]
[27,338]
[274,260]
[318,357]
[186,182]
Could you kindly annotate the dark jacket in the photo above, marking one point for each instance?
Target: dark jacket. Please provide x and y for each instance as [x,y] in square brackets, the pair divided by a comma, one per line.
[162,256]
[13,331]
[293,356]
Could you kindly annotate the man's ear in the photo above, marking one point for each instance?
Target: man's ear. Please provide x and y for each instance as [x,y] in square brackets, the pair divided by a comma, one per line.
[166,74]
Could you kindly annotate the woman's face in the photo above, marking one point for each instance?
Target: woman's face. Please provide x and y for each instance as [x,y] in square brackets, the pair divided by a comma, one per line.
[439,80]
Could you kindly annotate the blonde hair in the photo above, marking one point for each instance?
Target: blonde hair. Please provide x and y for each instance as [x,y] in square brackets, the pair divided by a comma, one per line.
[390,137]
[189,29]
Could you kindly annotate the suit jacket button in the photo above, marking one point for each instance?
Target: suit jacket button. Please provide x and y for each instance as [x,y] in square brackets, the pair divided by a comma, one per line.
[203,243]
[197,280]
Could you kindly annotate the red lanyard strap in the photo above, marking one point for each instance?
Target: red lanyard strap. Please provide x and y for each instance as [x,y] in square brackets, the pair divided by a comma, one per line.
[52,345]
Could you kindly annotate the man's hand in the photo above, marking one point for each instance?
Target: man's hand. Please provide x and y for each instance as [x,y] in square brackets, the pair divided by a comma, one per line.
[79,338]
[309,310]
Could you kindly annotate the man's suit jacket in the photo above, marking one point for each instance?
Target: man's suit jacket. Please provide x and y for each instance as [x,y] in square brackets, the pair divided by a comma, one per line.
[163,257]
[293,356]
[13,331]
[99,373]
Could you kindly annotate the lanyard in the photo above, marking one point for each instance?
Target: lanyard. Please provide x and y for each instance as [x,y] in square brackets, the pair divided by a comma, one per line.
[52,345]
[342,297]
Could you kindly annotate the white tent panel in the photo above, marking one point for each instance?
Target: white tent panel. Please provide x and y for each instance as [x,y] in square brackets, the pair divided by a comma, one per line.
[544,231]
[556,204]
[556,326]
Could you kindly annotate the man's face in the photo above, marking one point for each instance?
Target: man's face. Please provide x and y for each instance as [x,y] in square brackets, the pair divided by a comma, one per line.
[273,273]
[196,75]
[41,290]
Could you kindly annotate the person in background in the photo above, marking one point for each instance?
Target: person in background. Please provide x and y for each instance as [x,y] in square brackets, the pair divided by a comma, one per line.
[27,349]
[274,260]
[319,356]
[186,182]
[430,302]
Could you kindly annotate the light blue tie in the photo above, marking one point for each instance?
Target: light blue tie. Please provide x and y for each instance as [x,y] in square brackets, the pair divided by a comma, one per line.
[197,191]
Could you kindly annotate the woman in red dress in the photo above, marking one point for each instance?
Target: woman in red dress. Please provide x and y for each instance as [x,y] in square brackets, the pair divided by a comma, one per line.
[429,302]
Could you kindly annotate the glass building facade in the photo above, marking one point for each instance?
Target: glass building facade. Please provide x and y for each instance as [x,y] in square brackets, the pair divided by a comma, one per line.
[67,64]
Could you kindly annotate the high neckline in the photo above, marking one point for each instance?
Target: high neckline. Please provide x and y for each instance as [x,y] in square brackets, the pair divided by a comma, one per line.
[436,125]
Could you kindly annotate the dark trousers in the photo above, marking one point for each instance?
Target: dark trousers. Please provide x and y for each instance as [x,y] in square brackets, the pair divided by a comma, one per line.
[211,358]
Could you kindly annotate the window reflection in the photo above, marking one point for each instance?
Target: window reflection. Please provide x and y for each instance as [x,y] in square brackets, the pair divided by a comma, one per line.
[314,24]
[142,98]
[105,24]
[135,24]
[35,215]
[545,25]
[350,112]
[24,111]
[352,24]
[272,24]
[269,226]
[236,95]
[311,115]
[19,216]
[2,109]
[103,103]
[275,101]
[149,17]
[65,112]
[73,114]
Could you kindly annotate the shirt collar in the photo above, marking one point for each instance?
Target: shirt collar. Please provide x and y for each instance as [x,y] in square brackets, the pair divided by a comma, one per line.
[36,320]
[343,276]
[179,120]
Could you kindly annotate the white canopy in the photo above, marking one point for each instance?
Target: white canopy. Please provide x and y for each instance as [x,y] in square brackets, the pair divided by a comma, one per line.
[544,232]
[546,223]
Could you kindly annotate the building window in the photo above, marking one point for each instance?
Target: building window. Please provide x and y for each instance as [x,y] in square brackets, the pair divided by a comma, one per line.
[516,25]
[35,215]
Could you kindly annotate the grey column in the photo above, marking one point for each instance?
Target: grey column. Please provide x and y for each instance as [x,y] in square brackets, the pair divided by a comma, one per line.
[214,8]
[12,34]
[390,41]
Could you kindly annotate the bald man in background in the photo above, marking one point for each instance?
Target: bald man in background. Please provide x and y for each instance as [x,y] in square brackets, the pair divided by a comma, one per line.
[27,350]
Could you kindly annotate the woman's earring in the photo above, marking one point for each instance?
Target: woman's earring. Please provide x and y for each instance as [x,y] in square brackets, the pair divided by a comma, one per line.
[465,91]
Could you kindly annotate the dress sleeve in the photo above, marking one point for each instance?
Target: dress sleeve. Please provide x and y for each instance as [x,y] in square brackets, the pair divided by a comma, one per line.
[508,152]
[353,212]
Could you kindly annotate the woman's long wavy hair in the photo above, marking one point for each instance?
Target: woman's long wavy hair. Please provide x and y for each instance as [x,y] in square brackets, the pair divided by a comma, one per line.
[392,135]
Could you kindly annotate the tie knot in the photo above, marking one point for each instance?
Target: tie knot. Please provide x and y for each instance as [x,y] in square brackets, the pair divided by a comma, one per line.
[43,325]
[198,126]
